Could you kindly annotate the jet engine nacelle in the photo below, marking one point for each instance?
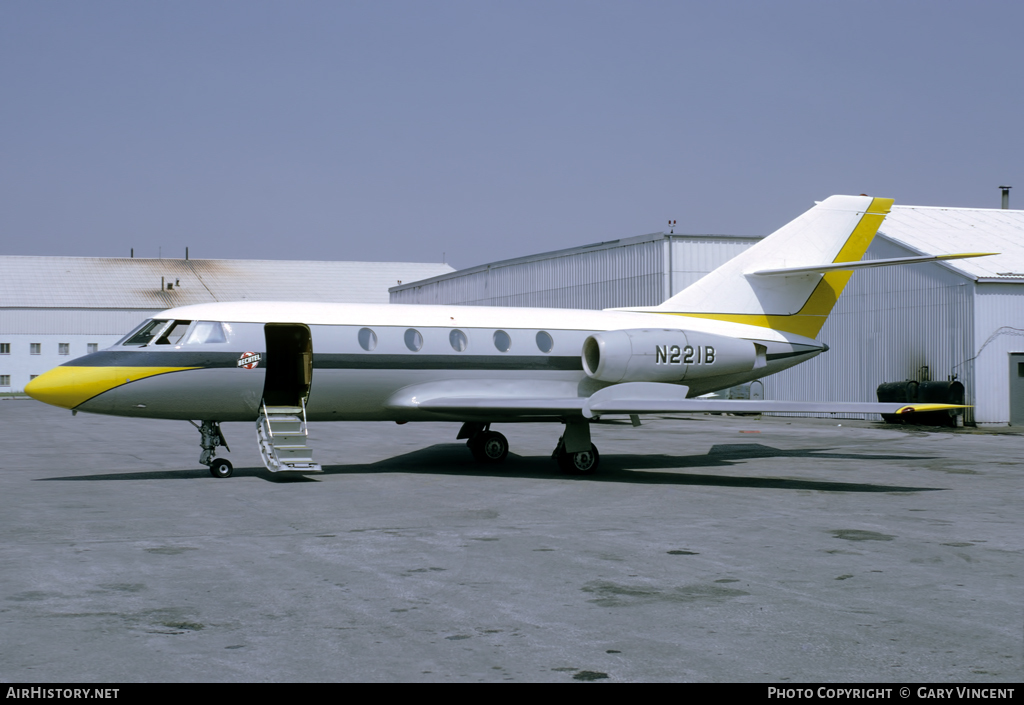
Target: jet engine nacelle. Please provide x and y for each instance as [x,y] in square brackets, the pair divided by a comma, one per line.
[663,355]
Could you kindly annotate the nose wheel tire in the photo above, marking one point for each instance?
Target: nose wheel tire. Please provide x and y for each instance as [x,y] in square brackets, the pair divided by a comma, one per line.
[221,468]
[583,463]
[489,447]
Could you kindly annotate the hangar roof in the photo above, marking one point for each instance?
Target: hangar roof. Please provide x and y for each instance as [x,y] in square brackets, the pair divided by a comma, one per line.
[939,231]
[123,283]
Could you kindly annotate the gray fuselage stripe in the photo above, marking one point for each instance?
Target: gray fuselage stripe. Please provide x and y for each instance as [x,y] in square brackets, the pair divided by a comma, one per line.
[414,361]
[332,361]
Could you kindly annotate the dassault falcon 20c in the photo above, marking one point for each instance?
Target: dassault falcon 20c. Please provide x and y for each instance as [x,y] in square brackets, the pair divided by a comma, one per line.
[285,364]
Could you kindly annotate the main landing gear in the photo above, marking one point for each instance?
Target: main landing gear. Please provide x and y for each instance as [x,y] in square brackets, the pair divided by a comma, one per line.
[583,462]
[489,446]
[213,437]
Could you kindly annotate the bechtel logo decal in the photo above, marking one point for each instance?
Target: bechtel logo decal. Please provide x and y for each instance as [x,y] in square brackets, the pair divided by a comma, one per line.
[249,360]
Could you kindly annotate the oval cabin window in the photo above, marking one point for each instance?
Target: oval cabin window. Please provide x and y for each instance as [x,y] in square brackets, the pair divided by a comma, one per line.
[413,340]
[544,342]
[502,341]
[367,339]
[458,340]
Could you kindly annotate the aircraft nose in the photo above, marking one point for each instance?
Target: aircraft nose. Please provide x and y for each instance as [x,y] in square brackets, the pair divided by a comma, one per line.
[56,387]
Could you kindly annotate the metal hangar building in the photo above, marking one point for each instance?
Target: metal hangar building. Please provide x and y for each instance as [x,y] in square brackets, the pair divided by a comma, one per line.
[958,320]
[54,309]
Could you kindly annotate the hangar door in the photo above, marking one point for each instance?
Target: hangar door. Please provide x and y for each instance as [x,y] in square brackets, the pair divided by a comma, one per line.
[1017,389]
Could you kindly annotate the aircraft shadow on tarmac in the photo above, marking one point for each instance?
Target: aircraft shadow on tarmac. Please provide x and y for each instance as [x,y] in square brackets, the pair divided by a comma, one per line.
[455,459]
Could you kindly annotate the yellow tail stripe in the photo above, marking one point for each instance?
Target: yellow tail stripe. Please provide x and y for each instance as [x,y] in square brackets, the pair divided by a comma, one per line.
[811,316]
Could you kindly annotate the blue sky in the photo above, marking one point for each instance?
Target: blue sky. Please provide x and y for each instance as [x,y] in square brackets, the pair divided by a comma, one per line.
[478,131]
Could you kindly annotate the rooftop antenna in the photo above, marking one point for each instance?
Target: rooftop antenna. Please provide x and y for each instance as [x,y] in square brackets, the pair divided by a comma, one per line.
[1006,196]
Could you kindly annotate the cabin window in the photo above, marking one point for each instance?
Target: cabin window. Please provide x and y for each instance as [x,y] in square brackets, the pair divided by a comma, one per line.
[367,339]
[502,341]
[544,342]
[207,332]
[413,340]
[144,333]
[458,340]
[174,333]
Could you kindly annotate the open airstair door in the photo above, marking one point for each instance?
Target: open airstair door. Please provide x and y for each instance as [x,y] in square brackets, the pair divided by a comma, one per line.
[281,428]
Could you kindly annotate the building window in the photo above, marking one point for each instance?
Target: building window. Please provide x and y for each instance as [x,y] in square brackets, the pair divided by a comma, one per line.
[5,348]
[93,347]
[5,380]
[35,348]
[63,348]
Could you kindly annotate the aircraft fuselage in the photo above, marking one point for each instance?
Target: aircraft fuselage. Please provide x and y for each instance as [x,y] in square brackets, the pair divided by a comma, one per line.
[378,362]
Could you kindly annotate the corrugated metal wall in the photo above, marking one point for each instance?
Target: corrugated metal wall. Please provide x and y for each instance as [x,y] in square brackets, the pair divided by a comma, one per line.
[630,273]
[602,277]
[998,331]
[28,321]
[888,325]
[693,256]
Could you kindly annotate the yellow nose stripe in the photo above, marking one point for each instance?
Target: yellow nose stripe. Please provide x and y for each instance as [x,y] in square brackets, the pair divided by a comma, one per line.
[69,386]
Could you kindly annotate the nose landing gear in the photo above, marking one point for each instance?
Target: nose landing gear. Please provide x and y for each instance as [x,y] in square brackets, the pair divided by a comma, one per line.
[212,437]
[221,468]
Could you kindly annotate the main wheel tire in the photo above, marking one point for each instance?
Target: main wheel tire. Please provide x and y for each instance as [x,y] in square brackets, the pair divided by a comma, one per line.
[489,447]
[221,468]
[582,463]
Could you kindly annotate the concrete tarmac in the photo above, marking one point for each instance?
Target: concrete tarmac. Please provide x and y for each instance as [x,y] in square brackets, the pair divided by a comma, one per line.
[707,549]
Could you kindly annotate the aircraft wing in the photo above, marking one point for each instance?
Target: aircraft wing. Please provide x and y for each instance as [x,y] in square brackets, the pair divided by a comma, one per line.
[656,398]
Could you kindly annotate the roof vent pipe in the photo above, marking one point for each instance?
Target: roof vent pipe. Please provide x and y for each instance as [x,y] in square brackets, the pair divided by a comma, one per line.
[1006,197]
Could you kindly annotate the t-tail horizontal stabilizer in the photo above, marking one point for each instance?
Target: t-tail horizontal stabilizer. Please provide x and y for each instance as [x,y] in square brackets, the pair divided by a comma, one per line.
[863,264]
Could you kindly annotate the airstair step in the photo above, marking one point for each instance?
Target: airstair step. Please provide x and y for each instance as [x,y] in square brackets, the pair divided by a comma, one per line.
[281,433]
[304,468]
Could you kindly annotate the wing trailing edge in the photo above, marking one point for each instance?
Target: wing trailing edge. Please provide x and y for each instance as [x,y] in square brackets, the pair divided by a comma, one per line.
[634,398]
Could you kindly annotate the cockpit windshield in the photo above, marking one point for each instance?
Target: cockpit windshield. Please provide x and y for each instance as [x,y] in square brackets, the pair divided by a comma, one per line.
[163,332]
[173,334]
[157,332]
[143,335]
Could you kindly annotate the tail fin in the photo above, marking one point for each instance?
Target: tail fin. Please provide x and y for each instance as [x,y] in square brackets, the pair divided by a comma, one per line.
[839,229]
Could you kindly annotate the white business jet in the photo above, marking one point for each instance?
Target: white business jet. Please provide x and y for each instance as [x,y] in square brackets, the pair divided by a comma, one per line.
[285,364]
